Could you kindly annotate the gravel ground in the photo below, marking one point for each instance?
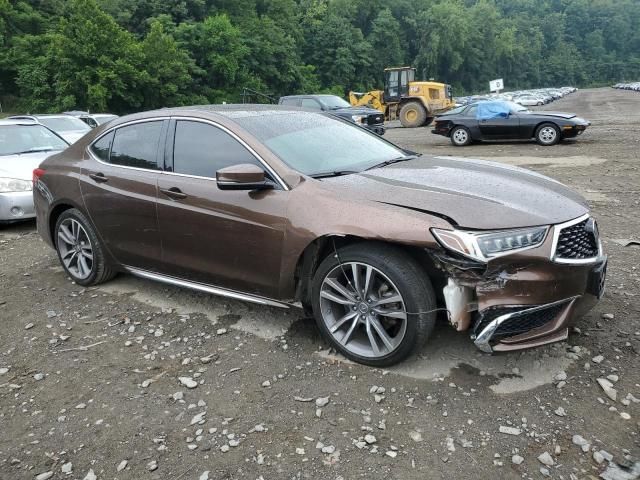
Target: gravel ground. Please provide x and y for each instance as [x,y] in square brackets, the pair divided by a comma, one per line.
[136,380]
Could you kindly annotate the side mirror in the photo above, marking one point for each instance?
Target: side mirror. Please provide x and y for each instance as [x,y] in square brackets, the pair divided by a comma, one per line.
[245,176]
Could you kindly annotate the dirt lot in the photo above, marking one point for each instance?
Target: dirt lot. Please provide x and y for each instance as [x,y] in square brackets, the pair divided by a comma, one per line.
[90,378]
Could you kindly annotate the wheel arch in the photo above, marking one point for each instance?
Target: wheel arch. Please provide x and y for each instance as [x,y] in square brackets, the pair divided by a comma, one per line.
[320,248]
[542,122]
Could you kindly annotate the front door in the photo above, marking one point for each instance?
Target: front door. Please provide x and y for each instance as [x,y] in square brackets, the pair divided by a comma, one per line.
[498,128]
[118,181]
[227,238]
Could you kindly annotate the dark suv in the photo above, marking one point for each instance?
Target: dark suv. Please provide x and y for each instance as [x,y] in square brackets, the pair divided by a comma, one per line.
[366,117]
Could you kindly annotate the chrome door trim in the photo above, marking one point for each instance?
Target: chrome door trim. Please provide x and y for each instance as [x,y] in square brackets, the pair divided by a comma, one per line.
[203,287]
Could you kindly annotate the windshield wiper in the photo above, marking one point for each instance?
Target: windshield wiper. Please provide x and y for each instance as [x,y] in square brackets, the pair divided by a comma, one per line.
[34,150]
[392,161]
[335,173]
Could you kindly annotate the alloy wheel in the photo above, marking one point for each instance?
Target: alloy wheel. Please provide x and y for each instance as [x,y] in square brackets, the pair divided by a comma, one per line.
[548,134]
[75,248]
[460,136]
[363,310]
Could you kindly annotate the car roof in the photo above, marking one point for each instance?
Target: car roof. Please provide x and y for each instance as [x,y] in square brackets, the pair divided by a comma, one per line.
[18,121]
[310,95]
[219,112]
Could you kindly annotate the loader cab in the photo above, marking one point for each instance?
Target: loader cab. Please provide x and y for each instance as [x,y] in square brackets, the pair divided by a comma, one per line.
[396,83]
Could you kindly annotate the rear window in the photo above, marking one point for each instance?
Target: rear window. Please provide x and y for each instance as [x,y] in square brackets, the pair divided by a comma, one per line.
[291,102]
[64,124]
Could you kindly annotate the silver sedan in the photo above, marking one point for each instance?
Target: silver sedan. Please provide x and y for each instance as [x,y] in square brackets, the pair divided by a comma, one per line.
[24,144]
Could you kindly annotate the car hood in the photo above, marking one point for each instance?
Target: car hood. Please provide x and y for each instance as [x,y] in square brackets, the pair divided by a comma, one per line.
[22,166]
[472,193]
[354,111]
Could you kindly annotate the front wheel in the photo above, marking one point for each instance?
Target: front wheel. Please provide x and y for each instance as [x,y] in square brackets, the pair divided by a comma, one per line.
[79,249]
[460,136]
[373,303]
[412,115]
[547,134]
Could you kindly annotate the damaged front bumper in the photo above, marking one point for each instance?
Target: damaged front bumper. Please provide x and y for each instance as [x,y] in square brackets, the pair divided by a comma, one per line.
[522,300]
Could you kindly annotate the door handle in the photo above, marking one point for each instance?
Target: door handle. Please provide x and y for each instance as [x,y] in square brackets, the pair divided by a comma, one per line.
[98,177]
[174,193]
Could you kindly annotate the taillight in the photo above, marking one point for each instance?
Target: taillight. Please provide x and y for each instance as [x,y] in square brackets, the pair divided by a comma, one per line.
[37,173]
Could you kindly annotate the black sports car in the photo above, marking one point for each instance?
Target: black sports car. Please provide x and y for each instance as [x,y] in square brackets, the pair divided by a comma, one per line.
[501,120]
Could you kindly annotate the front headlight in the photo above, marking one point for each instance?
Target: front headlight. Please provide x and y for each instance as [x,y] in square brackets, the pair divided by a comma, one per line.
[10,185]
[359,119]
[483,246]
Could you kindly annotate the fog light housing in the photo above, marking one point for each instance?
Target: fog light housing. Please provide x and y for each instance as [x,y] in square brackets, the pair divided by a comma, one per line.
[16,211]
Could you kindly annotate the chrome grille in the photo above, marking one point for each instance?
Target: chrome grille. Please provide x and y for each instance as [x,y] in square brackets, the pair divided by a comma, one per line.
[578,241]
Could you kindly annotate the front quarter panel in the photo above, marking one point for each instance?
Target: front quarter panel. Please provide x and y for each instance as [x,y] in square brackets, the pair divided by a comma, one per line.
[318,210]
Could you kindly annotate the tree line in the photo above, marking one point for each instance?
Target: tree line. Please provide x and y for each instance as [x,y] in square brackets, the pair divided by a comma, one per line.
[129,55]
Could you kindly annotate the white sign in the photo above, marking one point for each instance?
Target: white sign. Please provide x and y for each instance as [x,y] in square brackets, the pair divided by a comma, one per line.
[496,85]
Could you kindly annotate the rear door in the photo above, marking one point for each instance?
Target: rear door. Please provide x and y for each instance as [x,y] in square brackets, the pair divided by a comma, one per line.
[119,189]
[227,238]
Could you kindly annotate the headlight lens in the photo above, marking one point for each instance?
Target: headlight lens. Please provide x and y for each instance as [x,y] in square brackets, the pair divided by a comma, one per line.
[10,185]
[483,246]
[359,119]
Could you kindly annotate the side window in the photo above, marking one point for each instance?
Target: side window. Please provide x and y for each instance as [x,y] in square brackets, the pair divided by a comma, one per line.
[310,103]
[101,148]
[472,111]
[290,102]
[201,149]
[137,145]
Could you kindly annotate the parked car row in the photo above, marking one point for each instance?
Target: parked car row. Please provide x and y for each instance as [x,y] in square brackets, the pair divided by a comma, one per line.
[635,86]
[69,125]
[528,98]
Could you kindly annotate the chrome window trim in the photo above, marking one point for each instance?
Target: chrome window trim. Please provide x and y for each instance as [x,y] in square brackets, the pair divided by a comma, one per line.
[112,129]
[203,287]
[483,339]
[260,160]
[556,236]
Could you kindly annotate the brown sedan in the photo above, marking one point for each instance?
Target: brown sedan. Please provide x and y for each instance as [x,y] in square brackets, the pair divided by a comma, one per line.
[289,208]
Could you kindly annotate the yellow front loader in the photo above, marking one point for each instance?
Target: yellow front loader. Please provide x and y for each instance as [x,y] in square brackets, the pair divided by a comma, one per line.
[413,103]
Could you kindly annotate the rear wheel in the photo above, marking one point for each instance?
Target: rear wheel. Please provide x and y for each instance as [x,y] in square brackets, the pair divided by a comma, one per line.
[547,134]
[412,115]
[460,136]
[79,249]
[373,303]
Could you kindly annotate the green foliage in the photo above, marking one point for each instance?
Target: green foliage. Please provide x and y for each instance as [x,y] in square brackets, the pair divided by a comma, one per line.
[127,55]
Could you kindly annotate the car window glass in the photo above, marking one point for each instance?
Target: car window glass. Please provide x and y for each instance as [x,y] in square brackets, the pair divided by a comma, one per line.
[472,111]
[292,102]
[137,145]
[201,150]
[310,103]
[101,148]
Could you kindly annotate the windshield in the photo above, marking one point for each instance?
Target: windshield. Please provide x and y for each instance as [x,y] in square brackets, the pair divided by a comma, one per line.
[64,124]
[28,138]
[315,144]
[104,118]
[333,102]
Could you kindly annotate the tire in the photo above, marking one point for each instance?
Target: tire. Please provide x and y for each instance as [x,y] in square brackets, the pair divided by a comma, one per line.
[394,274]
[547,134]
[539,104]
[412,115]
[460,136]
[79,249]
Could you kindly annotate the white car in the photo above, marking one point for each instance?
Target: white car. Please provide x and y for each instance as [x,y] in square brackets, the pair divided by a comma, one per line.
[24,144]
[529,100]
[70,128]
